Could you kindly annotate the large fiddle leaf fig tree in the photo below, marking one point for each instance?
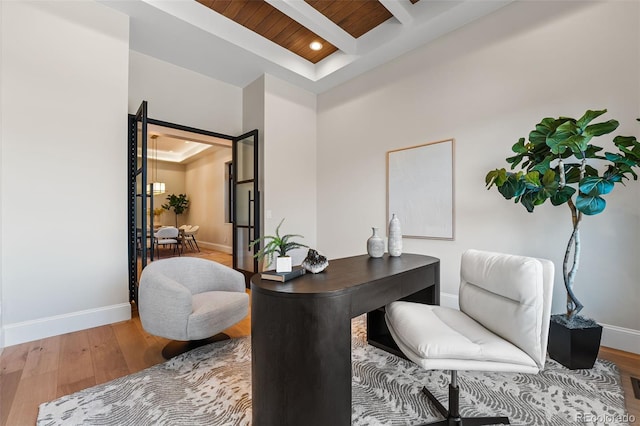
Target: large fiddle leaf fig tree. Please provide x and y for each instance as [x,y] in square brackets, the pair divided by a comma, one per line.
[560,163]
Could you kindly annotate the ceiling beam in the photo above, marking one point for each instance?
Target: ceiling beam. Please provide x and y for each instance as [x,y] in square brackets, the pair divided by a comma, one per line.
[399,9]
[315,21]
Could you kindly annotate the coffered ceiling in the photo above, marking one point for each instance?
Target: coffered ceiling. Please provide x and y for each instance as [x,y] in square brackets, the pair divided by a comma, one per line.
[179,146]
[239,40]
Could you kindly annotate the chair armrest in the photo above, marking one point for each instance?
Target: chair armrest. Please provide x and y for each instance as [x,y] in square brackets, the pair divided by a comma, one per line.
[223,278]
[164,305]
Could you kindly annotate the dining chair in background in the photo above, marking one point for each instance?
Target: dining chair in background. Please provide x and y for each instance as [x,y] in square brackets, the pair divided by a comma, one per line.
[167,236]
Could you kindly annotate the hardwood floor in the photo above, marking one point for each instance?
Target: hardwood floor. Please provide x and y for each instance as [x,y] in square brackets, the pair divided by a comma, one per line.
[629,366]
[36,372]
[40,371]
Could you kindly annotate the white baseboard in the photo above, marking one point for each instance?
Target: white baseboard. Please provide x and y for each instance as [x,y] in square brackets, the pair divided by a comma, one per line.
[41,328]
[215,246]
[624,339]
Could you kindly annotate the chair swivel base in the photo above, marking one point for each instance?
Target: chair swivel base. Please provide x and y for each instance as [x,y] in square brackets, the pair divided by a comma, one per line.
[175,347]
[452,415]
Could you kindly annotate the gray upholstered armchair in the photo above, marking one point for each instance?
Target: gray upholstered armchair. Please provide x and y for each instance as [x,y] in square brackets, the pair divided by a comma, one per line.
[190,299]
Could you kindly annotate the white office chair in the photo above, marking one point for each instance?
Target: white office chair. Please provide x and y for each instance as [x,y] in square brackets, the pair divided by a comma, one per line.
[502,324]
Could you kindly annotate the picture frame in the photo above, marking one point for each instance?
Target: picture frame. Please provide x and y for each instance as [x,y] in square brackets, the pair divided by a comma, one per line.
[420,189]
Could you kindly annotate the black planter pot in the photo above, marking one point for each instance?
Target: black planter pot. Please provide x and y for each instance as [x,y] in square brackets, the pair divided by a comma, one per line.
[575,348]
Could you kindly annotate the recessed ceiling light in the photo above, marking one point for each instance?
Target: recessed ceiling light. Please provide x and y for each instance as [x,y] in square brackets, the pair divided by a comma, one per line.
[187,142]
[315,45]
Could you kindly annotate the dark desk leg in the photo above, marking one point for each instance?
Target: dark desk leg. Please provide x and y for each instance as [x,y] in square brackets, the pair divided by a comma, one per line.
[300,360]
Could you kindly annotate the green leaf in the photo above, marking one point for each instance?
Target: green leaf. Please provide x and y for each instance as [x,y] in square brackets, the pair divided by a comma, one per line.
[532,178]
[623,169]
[520,147]
[595,185]
[497,177]
[617,158]
[612,175]
[548,178]
[562,195]
[557,141]
[515,160]
[577,144]
[600,129]
[590,204]
[544,165]
[513,187]
[588,117]
[542,130]
[625,141]
[276,244]
[528,201]
[591,151]
[572,173]
[590,171]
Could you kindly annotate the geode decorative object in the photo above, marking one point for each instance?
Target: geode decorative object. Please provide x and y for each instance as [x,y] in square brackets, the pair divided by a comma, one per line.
[315,262]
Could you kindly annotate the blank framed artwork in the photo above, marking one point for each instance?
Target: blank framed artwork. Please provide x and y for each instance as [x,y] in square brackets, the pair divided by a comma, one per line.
[420,189]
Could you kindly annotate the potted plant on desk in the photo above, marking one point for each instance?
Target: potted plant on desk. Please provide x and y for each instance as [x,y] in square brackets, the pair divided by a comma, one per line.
[280,246]
[558,162]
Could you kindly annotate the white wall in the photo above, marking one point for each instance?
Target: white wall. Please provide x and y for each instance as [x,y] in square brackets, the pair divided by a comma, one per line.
[486,85]
[290,161]
[64,105]
[173,176]
[205,185]
[184,97]
[253,117]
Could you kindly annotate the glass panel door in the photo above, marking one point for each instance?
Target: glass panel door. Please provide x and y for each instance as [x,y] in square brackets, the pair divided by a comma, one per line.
[246,203]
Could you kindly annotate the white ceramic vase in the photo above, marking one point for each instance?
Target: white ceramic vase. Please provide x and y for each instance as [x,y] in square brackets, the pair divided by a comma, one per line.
[395,236]
[375,244]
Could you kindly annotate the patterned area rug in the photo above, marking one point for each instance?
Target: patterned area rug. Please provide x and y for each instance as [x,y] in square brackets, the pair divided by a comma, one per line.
[211,385]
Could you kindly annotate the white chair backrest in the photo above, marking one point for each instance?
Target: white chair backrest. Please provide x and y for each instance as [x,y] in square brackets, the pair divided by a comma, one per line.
[168,232]
[509,295]
[193,230]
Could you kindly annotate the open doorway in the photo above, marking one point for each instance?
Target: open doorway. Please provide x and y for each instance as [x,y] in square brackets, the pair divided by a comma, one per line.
[194,165]
[167,159]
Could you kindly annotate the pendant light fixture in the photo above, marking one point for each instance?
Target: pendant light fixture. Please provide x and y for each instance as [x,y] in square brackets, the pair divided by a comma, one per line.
[156,186]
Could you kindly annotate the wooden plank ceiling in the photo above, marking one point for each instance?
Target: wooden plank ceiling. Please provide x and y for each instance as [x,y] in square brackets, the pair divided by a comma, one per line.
[356,17]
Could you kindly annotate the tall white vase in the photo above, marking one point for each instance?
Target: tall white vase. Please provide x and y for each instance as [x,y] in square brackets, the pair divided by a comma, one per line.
[395,236]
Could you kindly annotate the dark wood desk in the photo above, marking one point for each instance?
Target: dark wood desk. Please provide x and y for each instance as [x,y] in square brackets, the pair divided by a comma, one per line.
[301,333]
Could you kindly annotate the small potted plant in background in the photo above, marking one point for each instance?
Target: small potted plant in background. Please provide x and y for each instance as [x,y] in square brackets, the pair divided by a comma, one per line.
[558,162]
[157,212]
[280,246]
[179,203]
